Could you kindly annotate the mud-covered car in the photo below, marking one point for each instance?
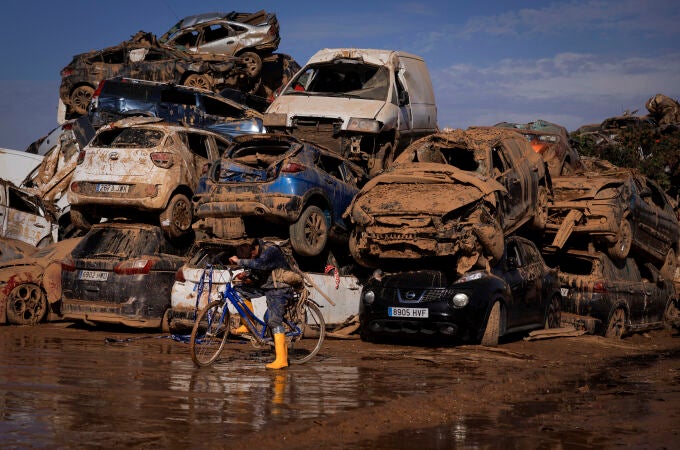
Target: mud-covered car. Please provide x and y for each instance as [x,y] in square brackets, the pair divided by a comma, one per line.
[11,249]
[30,286]
[519,293]
[145,168]
[552,142]
[122,273]
[24,216]
[278,179]
[122,97]
[248,35]
[612,298]
[454,194]
[142,58]
[620,209]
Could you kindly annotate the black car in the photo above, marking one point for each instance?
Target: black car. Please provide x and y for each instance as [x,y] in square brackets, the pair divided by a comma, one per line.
[519,293]
[122,273]
[611,297]
[121,97]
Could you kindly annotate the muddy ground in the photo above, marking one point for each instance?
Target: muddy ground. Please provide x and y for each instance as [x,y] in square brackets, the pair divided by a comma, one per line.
[67,386]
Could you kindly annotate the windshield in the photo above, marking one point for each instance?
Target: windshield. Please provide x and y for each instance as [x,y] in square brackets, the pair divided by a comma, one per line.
[342,78]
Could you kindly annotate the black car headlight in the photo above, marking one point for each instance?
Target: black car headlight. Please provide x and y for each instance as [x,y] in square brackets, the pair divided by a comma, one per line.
[369,297]
[460,300]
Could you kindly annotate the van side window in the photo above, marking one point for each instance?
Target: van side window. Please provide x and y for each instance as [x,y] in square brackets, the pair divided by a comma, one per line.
[198,144]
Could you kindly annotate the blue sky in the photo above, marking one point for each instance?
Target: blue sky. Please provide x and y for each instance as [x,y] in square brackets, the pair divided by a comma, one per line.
[571,62]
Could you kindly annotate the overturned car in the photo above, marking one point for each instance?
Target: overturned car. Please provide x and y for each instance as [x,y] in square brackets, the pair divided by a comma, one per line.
[452,194]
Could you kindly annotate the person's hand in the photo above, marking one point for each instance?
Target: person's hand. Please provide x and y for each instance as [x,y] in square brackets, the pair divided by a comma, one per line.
[234,260]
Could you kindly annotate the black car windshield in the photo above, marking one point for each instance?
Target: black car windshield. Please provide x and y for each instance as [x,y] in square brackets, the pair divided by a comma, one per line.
[128,137]
[125,242]
[342,78]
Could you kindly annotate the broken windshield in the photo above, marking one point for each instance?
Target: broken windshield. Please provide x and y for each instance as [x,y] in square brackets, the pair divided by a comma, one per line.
[343,78]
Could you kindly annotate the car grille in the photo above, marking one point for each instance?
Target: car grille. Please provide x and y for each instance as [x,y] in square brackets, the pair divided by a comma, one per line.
[417,295]
[321,131]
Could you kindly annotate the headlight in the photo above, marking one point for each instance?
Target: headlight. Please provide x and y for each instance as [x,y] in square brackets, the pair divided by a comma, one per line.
[369,297]
[275,120]
[460,300]
[471,276]
[363,125]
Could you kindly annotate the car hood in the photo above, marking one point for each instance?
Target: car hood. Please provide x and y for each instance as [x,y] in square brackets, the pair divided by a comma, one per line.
[308,105]
[421,188]
[582,188]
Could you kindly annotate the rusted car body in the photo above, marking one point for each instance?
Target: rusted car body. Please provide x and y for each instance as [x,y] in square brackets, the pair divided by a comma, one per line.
[609,297]
[142,166]
[30,287]
[24,216]
[122,273]
[520,292]
[620,209]
[248,35]
[451,194]
[552,142]
[143,58]
[279,180]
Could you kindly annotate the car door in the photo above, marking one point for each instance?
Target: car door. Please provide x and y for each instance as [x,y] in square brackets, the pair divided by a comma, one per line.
[514,276]
[656,293]
[510,178]
[202,149]
[25,219]
[644,218]
[152,64]
[665,234]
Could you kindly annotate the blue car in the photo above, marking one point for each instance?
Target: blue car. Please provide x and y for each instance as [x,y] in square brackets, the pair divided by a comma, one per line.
[273,179]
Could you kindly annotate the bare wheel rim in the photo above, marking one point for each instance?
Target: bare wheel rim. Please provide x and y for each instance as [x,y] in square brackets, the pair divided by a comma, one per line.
[181,215]
[197,81]
[315,229]
[252,65]
[616,324]
[80,99]
[27,304]
[625,238]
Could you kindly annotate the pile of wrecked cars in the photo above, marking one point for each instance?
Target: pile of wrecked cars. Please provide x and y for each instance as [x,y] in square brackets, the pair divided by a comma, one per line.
[171,158]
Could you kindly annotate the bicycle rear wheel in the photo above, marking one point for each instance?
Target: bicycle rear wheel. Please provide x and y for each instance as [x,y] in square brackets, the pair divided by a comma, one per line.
[209,334]
[308,319]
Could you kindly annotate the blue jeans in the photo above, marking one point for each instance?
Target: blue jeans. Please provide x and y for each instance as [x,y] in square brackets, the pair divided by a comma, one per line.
[277,299]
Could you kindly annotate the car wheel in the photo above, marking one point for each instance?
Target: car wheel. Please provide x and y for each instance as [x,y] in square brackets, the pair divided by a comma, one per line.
[616,326]
[80,219]
[80,99]
[177,217]
[253,63]
[671,317]
[309,234]
[382,159]
[622,247]
[198,81]
[553,318]
[493,326]
[541,212]
[670,264]
[26,305]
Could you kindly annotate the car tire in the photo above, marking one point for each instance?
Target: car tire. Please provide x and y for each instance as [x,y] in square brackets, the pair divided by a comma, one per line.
[198,81]
[26,305]
[553,317]
[540,219]
[616,326]
[309,234]
[621,248]
[80,99]
[253,63]
[177,217]
[80,219]
[493,327]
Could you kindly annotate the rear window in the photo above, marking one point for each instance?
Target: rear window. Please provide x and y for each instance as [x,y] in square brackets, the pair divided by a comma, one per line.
[217,256]
[128,137]
[124,242]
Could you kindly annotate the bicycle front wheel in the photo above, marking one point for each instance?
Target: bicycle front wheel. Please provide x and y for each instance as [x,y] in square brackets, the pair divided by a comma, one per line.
[303,347]
[209,334]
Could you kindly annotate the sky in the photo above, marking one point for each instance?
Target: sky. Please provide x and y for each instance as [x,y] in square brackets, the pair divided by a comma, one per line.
[568,62]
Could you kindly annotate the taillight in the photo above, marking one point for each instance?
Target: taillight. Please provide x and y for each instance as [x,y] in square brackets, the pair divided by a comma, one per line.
[67,264]
[66,71]
[134,266]
[81,157]
[179,276]
[75,187]
[94,101]
[293,167]
[600,286]
[164,160]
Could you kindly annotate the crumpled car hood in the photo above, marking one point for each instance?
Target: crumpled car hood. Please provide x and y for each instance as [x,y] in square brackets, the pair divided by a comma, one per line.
[422,187]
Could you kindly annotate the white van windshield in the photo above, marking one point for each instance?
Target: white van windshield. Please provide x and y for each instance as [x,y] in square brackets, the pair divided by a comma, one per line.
[342,78]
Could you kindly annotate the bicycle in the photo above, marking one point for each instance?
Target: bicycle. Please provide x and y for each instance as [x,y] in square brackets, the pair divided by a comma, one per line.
[301,319]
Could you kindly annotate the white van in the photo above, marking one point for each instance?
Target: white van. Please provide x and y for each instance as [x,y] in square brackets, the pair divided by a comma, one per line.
[364,104]
[15,164]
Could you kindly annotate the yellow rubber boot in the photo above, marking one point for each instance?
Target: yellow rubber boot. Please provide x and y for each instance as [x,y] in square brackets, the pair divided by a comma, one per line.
[243,328]
[281,348]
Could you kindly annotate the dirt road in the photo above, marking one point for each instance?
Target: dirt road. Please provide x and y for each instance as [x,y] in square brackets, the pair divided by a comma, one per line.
[65,386]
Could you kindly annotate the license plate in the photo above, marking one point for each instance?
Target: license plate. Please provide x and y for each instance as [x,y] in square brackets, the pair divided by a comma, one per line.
[564,292]
[408,312]
[117,188]
[93,275]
